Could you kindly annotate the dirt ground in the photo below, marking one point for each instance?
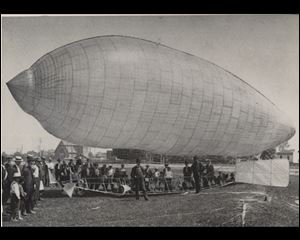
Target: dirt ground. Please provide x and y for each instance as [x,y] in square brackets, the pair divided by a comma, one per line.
[234,205]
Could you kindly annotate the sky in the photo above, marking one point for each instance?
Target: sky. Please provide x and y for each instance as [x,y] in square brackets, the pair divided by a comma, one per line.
[263,50]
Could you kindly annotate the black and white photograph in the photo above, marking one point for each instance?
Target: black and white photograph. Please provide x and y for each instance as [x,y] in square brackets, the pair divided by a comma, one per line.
[150,120]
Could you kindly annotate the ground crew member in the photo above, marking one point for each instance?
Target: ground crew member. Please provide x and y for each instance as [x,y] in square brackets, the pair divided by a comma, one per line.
[57,171]
[36,175]
[138,178]
[156,178]
[168,179]
[46,179]
[196,173]
[187,176]
[28,185]
[148,176]
[210,172]
[123,174]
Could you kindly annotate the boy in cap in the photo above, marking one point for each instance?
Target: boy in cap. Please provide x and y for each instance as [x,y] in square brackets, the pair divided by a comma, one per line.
[15,199]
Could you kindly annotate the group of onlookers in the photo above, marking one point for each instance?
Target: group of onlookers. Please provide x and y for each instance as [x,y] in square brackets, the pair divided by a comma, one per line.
[93,173]
[23,183]
[196,176]
[200,175]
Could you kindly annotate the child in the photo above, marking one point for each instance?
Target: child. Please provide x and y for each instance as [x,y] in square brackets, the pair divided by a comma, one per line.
[168,178]
[15,197]
[156,178]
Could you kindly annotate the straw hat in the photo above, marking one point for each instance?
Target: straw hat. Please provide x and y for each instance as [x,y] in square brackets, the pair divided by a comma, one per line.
[19,159]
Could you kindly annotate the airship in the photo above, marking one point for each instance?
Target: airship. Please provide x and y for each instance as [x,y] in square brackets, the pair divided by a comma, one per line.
[127,92]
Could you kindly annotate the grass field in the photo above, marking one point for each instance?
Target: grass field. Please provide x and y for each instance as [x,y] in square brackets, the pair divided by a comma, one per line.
[215,207]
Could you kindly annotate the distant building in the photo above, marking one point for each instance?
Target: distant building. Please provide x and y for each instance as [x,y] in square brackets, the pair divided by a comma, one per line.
[68,150]
[128,154]
[287,154]
[109,155]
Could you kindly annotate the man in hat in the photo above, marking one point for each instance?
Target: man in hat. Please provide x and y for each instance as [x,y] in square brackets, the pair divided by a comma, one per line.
[28,185]
[10,169]
[123,173]
[42,173]
[57,170]
[3,177]
[156,178]
[46,179]
[71,166]
[210,172]
[148,176]
[36,175]
[187,175]
[50,165]
[196,173]
[138,178]
[110,175]
[19,164]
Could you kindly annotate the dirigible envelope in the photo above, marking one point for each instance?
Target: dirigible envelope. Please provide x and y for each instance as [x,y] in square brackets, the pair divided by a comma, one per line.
[125,92]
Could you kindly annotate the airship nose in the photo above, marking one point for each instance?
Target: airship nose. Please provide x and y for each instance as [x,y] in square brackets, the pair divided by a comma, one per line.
[292,131]
[22,89]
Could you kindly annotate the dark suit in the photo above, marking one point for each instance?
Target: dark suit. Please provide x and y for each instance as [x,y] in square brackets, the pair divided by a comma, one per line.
[46,178]
[210,173]
[5,184]
[28,188]
[196,169]
[187,174]
[138,178]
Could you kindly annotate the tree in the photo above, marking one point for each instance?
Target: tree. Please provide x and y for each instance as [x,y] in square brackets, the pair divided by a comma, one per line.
[268,154]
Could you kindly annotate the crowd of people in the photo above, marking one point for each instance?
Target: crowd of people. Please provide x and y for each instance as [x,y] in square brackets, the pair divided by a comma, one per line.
[200,176]
[23,182]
